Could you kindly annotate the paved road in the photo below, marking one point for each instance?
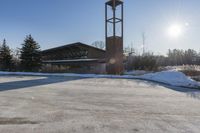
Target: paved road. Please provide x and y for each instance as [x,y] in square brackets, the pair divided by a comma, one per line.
[74,105]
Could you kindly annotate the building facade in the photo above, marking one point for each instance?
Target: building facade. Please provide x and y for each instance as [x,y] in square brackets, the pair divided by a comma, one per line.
[75,58]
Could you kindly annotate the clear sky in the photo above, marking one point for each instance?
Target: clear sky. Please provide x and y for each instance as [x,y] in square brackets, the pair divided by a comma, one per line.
[58,22]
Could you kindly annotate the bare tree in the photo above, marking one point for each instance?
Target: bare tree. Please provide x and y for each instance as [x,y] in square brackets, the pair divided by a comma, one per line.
[99,44]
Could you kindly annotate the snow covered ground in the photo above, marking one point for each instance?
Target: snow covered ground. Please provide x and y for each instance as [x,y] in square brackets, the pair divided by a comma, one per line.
[183,67]
[173,78]
[57,104]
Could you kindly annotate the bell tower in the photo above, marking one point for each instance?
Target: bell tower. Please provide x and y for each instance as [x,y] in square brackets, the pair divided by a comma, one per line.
[114,36]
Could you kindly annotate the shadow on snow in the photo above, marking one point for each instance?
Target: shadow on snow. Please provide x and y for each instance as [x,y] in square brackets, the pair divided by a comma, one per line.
[13,85]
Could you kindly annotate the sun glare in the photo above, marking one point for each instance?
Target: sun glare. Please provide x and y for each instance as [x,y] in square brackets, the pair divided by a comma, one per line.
[175,30]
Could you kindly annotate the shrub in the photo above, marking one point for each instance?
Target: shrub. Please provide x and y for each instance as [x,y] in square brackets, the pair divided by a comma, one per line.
[146,62]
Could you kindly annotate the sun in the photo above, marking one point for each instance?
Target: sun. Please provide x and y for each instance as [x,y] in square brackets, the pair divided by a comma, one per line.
[175,30]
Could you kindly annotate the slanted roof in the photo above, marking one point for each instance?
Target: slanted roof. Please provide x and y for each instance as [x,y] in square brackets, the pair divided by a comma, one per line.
[71,52]
[74,61]
[72,45]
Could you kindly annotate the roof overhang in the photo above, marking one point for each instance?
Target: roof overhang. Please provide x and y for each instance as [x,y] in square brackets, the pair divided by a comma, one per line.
[74,61]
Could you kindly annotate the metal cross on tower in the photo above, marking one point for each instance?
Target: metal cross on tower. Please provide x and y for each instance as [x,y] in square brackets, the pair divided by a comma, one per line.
[114,39]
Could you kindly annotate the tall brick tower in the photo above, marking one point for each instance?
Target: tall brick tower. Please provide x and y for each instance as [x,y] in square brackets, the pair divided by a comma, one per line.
[114,36]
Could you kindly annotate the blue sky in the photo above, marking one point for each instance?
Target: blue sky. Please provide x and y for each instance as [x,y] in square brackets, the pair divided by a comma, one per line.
[58,22]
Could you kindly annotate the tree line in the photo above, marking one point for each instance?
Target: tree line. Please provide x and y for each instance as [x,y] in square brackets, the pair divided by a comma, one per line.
[175,57]
[181,57]
[27,58]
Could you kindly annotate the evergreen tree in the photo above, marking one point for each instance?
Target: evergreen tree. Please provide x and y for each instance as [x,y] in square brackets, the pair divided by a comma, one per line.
[30,55]
[5,57]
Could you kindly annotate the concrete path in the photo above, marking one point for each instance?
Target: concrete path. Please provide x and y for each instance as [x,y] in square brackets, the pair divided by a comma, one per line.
[75,105]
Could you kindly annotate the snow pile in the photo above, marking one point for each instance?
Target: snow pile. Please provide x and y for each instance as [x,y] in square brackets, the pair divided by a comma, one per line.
[173,78]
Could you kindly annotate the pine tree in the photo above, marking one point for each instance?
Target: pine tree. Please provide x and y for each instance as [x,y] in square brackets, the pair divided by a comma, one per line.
[30,55]
[5,57]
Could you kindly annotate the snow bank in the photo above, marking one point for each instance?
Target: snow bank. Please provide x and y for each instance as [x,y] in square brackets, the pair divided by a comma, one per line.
[173,78]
